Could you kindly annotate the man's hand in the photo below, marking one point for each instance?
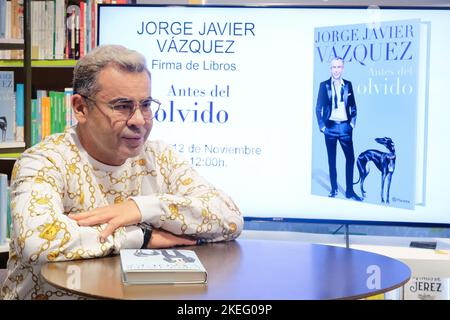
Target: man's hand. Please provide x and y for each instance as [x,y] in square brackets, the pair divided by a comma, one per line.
[115,215]
[163,239]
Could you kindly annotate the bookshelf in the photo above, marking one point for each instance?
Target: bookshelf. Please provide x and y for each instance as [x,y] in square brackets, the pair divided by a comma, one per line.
[39,20]
[49,75]
[34,74]
[25,78]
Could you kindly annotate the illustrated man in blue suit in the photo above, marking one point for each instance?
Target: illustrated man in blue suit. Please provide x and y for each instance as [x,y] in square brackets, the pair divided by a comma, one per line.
[336,116]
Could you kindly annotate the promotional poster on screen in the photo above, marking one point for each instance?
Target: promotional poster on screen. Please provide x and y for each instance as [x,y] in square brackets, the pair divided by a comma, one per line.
[381,61]
[239,90]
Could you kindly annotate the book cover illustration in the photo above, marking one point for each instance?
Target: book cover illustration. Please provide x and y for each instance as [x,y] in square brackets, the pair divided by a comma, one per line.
[7,103]
[366,91]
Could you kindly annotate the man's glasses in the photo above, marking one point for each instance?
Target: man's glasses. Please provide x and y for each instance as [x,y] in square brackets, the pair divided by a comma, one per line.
[123,109]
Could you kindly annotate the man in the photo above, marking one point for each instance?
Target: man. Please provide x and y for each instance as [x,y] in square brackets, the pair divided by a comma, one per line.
[336,116]
[101,186]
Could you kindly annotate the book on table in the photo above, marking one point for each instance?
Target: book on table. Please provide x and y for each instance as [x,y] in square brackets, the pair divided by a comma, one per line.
[164,266]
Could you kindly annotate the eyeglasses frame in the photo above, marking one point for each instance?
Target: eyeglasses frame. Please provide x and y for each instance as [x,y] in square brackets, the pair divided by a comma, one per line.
[136,105]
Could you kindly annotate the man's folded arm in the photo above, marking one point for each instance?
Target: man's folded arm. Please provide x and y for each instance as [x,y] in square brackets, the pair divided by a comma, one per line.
[190,205]
[42,231]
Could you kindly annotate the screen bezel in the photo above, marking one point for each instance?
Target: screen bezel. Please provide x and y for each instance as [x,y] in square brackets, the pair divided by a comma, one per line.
[438,7]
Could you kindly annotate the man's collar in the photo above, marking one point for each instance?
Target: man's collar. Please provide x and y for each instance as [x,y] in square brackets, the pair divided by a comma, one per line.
[340,80]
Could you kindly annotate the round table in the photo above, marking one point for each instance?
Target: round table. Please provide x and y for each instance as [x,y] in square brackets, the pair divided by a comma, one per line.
[247,270]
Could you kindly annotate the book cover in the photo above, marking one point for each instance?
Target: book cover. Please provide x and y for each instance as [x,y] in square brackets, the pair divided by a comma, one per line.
[366,142]
[147,266]
[72,32]
[7,97]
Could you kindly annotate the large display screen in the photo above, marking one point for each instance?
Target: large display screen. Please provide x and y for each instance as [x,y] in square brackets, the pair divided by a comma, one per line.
[331,114]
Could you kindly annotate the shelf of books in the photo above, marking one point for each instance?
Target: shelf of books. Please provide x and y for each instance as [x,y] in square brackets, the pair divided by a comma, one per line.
[59,33]
[50,113]
[11,112]
[60,29]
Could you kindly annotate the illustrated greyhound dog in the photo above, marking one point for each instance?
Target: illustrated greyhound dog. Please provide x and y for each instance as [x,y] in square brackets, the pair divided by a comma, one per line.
[3,126]
[385,162]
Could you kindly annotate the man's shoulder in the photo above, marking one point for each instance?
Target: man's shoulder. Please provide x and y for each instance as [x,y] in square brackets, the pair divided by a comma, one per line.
[57,146]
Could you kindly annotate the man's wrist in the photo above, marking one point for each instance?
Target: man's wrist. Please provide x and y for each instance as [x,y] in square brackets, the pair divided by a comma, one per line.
[147,230]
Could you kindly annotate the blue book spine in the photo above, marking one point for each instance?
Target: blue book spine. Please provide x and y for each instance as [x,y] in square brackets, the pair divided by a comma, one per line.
[20,118]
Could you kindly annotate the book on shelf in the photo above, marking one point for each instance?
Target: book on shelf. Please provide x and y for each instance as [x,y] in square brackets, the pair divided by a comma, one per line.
[11,112]
[7,105]
[15,30]
[46,116]
[59,29]
[2,18]
[73,32]
[3,208]
[148,266]
[51,112]
[8,214]
[70,119]
[20,110]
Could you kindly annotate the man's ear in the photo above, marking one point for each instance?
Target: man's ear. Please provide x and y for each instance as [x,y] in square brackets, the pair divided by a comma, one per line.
[79,107]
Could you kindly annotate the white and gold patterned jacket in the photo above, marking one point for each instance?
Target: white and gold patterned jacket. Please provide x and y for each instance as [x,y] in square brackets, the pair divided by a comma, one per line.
[58,177]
